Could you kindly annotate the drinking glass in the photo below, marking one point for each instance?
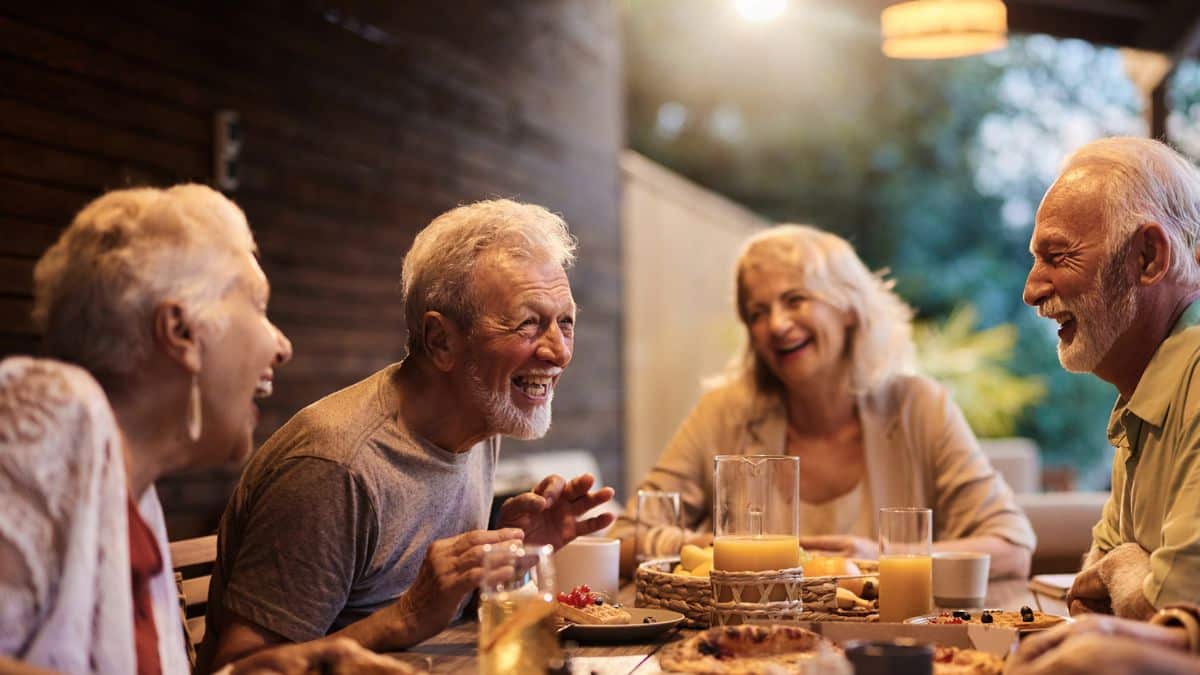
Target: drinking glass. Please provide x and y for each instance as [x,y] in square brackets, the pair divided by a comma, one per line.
[659,532]
[905,563]
[516,611]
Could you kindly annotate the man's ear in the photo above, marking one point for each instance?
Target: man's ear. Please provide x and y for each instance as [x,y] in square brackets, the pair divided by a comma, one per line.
[1153,254]
[176,335]
[442,340]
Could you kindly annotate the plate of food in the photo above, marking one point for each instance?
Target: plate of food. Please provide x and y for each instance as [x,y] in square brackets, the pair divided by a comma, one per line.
[957,661]
[1025,620]
[588,616]
[750,649]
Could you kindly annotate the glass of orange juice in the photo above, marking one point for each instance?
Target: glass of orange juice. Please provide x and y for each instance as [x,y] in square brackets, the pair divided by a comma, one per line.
[516,611]
[905,563]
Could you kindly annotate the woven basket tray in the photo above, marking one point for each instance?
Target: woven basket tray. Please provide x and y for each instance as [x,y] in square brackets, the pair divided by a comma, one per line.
[657,587]
[692,596]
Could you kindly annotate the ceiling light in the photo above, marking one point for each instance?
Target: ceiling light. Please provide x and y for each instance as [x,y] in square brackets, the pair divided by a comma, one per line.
[939,29]
[760,11]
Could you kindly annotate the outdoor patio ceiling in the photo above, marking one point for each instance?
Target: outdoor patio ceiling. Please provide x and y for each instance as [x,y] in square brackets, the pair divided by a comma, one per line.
[1168,26]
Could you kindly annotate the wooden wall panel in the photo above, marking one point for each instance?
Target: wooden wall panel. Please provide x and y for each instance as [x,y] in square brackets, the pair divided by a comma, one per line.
[362,121]
[682,325]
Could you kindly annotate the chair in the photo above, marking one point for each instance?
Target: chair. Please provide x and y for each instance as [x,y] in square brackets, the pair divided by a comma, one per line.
[193,560]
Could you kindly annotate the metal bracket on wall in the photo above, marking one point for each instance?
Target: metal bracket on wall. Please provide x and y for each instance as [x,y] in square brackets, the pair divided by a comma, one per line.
[227,147]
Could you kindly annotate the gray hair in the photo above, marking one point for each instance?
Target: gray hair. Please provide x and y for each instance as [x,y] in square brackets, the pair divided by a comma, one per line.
[1146,181]
[881,342]
[438,268]
[97,288]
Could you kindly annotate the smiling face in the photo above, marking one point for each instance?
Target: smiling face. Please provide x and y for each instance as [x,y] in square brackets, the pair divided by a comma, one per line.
[1076,279]
[237,366]
[795,335]
[520,343]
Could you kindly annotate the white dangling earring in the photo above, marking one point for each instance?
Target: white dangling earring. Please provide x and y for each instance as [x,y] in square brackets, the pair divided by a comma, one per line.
[193,417]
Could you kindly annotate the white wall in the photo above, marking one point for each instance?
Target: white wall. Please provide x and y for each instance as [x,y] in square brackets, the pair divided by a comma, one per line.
[679,243]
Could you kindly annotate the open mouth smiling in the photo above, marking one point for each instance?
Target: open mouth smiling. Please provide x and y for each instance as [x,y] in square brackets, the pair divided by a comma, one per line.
[1066,324]
[535,386]
[793,348]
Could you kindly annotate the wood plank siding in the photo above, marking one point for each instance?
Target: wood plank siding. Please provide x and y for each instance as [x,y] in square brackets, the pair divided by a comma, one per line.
[362,120]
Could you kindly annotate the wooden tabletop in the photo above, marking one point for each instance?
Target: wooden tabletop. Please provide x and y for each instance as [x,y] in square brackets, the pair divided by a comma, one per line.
[454,650]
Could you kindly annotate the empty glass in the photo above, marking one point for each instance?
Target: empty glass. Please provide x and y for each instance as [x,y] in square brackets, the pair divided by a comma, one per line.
[659,532]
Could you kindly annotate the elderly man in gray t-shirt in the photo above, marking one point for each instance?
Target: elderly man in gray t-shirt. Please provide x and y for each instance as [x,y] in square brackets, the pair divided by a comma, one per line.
[364,515]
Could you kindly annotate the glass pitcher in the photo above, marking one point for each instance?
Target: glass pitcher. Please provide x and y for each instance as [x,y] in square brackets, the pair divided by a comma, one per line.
[756,512]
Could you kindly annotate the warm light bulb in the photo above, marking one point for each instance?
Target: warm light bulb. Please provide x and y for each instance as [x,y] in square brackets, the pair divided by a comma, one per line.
[760,11]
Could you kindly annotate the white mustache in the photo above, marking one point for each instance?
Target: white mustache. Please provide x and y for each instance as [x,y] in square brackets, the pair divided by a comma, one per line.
[1048,309]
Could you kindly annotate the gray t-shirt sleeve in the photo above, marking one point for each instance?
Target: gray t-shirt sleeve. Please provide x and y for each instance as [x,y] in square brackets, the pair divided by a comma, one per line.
[309,535]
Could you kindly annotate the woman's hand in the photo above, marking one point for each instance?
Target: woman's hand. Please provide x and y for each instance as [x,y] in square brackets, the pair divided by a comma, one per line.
[845,545]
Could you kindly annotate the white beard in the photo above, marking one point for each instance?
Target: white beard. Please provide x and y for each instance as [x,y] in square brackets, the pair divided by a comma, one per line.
[1101,316]
[503,416]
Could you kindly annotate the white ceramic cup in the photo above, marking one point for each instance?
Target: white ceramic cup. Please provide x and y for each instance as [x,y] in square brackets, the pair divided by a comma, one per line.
[595,561]
[960,579]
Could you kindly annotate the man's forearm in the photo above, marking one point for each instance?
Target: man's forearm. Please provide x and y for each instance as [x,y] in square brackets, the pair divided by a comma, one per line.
[396,626]
[1124,571]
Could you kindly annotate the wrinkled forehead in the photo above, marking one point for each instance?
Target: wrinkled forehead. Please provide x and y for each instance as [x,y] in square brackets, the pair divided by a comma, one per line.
[1074,208]
[249,275]
[503,280]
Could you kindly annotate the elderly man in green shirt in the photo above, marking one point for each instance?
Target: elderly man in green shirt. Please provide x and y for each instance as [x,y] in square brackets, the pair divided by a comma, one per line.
[1115,264]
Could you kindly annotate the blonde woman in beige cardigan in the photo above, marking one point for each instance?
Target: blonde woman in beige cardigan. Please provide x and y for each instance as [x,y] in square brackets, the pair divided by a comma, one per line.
[826,377]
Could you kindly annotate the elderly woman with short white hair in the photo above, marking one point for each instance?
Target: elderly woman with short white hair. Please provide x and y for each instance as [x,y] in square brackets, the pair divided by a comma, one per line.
[826,377]
[157,299]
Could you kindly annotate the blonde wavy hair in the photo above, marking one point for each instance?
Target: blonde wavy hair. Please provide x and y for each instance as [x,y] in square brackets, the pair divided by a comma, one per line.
[96,289]
[881,337]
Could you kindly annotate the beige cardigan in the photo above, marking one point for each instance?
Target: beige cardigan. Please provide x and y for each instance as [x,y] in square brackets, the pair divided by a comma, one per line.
[919,452]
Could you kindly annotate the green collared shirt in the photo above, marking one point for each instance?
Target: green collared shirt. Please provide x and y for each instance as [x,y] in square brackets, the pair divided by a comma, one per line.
[1156,472]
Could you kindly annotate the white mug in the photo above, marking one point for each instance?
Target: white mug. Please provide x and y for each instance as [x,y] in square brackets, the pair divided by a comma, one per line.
[960,579]
[595,561]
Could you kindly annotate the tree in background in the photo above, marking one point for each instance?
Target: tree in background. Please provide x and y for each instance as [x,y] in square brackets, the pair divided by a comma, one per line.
[932,169]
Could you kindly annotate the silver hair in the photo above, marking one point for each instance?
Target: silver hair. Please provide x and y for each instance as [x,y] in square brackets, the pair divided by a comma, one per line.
[881,340]
[1146,181]
[96,289]
[438,268]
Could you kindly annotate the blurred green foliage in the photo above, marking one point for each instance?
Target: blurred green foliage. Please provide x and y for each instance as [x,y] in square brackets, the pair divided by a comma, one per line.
[931,169]
[973,364]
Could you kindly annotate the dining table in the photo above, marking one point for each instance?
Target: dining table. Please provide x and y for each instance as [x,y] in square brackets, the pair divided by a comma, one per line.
[455,650]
